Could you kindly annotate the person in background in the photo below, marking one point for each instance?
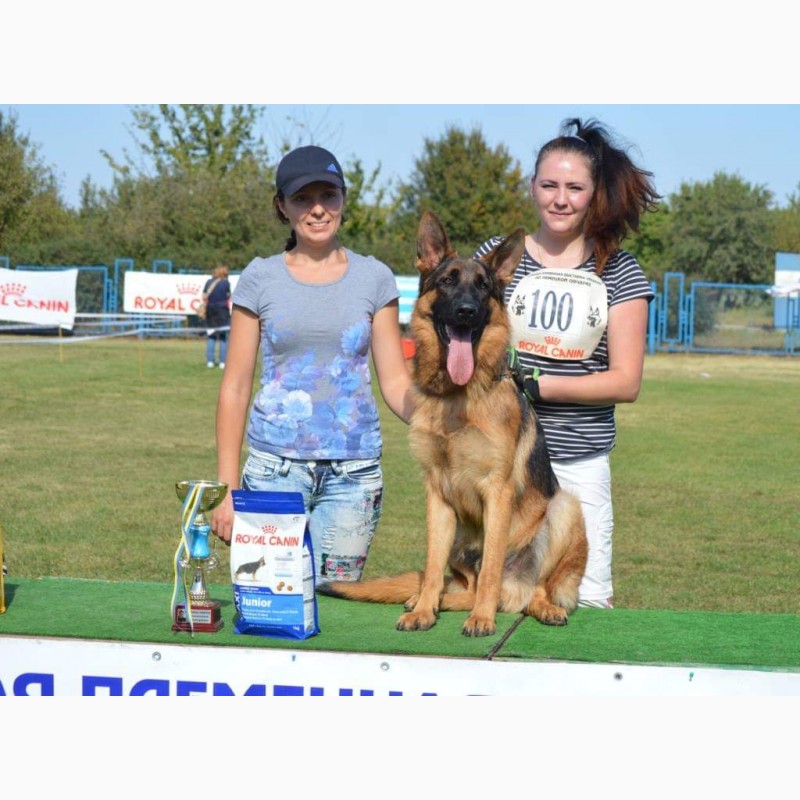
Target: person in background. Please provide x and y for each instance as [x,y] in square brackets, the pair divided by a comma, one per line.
[316,311]
[575,281]
[217,296]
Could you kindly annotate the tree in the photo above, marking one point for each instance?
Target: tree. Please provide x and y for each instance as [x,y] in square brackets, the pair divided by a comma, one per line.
[475,190]
[196,219]
[31,209]
[188,137]
[720,231]
[649,245]
[367,216]
[786,226]
[197,192]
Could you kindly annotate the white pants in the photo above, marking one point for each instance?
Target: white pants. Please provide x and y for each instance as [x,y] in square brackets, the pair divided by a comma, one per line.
[590,480]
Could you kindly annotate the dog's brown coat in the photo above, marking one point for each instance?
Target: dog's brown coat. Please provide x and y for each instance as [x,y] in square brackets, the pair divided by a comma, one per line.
[513,540]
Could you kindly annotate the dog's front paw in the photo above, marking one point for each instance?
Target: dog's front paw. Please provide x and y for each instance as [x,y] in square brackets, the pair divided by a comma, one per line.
[478,626]
[411,603]
[417,620]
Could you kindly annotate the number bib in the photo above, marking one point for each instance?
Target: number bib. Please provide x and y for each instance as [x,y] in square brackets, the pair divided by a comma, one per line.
[558,313]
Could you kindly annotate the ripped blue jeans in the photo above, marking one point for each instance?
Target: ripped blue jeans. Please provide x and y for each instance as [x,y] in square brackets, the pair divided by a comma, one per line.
[343,501]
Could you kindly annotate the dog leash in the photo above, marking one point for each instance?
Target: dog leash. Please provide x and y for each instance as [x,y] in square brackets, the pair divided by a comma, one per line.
[526,379]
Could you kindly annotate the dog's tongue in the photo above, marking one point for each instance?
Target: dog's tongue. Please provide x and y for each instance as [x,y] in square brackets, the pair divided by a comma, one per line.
[459,356]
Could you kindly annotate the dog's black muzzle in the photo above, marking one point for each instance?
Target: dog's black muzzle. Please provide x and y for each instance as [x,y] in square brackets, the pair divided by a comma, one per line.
[466,315]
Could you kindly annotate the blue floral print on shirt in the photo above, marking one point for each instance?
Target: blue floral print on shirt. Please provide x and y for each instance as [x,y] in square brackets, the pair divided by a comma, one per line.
[307,408]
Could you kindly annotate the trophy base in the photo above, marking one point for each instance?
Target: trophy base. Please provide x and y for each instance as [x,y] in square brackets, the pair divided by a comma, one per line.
[206,617]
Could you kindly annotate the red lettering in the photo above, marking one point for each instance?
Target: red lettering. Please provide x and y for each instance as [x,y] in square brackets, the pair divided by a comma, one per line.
[246,538]
[572,352]
[43,305]
[533,347]
[285,541]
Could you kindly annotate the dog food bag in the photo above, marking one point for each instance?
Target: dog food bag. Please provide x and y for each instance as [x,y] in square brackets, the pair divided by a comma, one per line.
[272,566]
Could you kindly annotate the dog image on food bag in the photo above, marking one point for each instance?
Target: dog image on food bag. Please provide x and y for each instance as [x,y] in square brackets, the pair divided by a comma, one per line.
[512,539]
[249,569]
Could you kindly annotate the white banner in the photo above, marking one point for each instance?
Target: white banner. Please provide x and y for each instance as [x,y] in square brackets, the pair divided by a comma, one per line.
[45,297]
[787,283]
[154,293]
[73,667]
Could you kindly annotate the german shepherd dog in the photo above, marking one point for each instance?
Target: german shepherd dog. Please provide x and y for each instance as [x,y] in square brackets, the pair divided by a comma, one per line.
[250,568]
[513,540]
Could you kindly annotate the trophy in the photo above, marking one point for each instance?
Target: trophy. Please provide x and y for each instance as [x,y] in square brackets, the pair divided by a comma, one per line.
[198,612]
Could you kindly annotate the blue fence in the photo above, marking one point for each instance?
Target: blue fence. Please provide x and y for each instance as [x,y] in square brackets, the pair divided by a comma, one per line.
[700,317]
[723,318]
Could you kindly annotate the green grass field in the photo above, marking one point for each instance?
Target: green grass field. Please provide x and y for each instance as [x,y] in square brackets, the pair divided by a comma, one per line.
[94,436]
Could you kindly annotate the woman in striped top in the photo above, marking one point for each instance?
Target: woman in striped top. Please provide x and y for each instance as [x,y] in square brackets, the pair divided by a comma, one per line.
[579,307]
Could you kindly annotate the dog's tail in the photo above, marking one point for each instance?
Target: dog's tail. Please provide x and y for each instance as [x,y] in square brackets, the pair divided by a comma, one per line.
[396,589]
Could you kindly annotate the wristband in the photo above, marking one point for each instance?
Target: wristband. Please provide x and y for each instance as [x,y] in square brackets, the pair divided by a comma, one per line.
[530,386]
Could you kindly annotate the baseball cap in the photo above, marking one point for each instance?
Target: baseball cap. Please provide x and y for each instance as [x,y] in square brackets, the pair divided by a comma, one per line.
[305,165]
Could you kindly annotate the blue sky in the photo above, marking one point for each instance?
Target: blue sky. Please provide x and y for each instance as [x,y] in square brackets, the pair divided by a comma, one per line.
[676,142]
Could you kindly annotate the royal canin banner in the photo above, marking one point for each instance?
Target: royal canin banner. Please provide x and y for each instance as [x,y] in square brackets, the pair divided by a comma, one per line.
[154,293]
[40,298]
[151,293]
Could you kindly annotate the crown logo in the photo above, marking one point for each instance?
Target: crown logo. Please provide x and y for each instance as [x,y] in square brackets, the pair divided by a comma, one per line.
[552,339]
[187,288]
[13,288]
[269,528]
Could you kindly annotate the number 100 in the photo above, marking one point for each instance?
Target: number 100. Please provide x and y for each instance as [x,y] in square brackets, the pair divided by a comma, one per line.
[552,311]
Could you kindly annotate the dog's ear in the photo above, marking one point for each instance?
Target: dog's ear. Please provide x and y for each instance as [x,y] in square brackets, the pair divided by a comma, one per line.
[433,246]
[504,258]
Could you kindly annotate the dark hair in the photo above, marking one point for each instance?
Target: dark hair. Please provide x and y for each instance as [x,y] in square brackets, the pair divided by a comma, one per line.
[291,242]
[622,193]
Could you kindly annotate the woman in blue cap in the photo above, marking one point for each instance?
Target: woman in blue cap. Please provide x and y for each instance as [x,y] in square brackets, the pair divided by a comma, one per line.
[316,311]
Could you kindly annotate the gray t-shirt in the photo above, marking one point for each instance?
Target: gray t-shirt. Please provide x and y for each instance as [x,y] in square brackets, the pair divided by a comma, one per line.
[315,400]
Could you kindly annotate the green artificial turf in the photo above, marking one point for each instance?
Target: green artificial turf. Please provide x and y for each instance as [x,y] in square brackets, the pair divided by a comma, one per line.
[129,611]
[85,609]
[687,638]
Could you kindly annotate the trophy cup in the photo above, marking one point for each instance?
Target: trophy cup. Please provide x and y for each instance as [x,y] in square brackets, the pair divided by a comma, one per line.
[199,612]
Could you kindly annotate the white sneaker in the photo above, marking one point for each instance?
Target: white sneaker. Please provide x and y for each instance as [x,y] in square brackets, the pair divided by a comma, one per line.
[222,365]
[210,364]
